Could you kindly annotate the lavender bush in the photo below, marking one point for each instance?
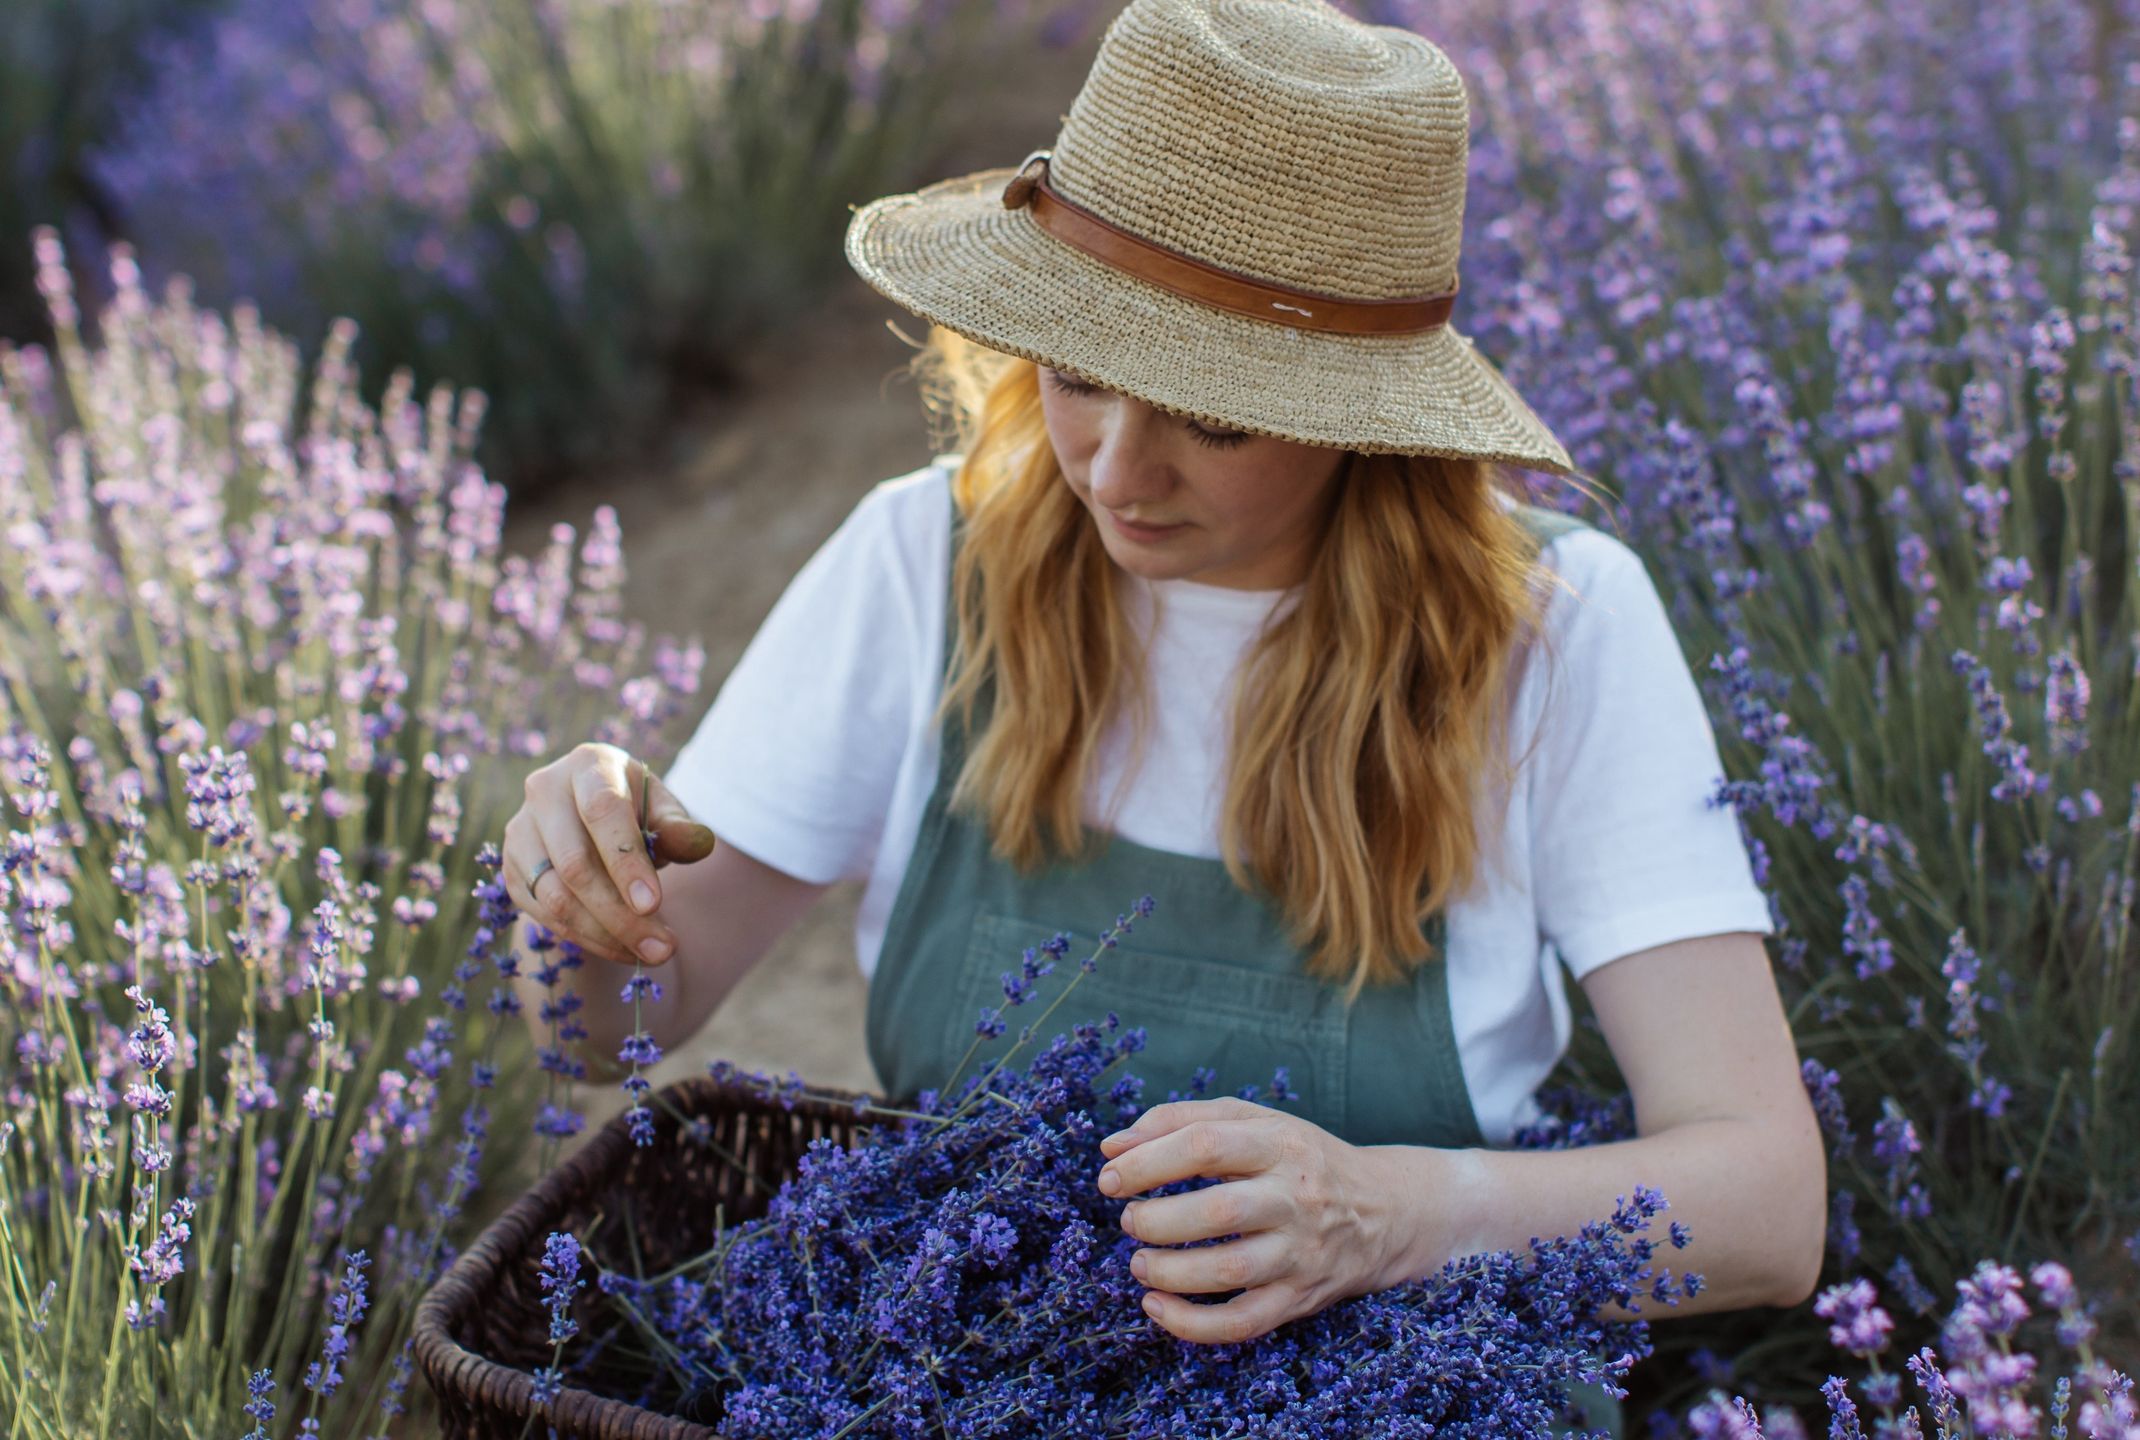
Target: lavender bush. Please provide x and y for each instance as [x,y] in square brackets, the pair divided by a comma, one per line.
[259,680]
[1982,1379]
[584,206]
[955,1271]
[1836,299]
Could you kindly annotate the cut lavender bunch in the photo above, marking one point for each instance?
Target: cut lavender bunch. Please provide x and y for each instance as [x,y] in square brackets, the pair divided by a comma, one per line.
[964,1275]
[956,1271]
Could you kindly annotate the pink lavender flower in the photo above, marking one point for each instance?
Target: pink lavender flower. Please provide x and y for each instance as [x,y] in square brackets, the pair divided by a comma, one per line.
[1856,1323]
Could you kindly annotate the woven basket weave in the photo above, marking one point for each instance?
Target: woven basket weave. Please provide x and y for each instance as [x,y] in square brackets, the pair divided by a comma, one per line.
[481,1330]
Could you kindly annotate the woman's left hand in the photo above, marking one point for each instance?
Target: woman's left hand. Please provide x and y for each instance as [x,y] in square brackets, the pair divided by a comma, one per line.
[1320,1220]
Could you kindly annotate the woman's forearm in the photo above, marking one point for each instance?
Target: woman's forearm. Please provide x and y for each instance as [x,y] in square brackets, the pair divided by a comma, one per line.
[1752,1192]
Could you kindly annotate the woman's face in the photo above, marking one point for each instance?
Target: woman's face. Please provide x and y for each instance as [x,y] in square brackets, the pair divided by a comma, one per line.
[1175,500]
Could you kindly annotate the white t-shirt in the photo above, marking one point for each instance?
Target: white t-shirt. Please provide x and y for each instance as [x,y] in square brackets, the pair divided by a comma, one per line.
[818,756]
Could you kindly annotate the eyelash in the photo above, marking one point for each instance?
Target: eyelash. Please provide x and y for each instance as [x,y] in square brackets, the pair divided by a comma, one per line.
[1211,438]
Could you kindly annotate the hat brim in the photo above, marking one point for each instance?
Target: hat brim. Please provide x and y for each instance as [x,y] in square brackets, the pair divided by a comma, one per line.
[952,254]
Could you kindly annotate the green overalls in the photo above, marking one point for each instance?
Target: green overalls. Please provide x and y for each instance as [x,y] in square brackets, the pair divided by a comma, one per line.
[1211,974]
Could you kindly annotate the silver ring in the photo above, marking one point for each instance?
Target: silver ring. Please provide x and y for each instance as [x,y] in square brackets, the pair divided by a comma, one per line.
[539,871]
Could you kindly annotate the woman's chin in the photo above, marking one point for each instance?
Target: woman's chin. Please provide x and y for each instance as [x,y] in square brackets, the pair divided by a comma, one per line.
[1148,564]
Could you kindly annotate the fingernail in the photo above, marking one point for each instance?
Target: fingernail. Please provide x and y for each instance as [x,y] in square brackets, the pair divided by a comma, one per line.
[1136,1264]
[654,948]
[642,896]
[1110,1181]
[1151,1306]
[702,837]
[1111,1139]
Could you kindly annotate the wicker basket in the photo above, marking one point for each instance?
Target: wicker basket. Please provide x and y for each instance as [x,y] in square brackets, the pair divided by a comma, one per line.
[482,1329]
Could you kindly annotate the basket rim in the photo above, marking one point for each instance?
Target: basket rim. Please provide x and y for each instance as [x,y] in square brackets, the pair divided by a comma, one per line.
[451,1369]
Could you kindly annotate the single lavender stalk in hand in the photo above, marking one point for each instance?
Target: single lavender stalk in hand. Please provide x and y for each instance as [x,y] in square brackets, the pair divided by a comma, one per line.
[639,1049]
[555,1121]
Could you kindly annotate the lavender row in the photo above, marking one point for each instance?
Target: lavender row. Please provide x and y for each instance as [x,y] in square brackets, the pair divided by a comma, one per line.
[262,677]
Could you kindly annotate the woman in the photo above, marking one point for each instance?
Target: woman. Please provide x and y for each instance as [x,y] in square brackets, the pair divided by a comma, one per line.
[1225,598]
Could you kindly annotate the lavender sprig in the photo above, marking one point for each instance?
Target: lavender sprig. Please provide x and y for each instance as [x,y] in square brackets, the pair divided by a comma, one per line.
[639,1049]
[560,1280]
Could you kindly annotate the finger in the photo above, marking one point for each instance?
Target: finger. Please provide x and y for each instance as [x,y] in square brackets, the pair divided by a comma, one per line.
[1214,1269]
[1173,1115]
[678,838]
[549,904]
[1238,1207]
[1245,1317]
[565,840]
[1219,1149]
[581,932]
[606,794]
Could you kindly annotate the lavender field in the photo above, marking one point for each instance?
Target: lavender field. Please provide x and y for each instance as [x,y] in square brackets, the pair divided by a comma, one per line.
[1835,299]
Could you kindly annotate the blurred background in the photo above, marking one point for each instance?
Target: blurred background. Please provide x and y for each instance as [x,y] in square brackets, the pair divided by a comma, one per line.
[621,221]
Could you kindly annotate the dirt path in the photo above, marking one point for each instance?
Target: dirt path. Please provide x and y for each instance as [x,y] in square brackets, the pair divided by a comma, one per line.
[758,483]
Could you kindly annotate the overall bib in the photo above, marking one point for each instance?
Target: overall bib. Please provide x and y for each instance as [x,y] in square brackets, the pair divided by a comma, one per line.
[1211,974]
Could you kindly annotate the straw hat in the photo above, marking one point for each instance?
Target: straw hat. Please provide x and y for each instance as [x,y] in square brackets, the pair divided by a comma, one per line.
[1250,216]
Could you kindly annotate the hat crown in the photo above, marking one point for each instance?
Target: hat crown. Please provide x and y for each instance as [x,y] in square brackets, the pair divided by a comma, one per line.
[1277,138]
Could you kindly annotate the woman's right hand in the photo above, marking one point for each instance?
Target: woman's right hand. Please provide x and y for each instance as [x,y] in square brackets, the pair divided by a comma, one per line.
[582,813]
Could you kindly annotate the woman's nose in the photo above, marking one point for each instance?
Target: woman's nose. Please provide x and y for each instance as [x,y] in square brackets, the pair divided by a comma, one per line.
[1127,469]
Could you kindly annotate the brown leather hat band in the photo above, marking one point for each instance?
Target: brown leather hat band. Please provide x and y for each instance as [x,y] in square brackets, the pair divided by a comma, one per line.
[1207,284]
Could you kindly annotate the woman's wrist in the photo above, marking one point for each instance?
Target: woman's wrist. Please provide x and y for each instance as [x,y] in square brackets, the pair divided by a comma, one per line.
[1424,1200]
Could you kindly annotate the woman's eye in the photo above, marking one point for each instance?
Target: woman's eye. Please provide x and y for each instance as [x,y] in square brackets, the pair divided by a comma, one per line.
[1217,439]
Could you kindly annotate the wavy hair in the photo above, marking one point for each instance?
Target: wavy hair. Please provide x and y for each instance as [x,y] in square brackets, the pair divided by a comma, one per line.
[1368,715]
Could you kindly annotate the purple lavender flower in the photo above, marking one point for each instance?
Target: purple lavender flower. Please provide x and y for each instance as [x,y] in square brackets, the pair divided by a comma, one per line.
[560,1280]
[1824,1087]
[638,1051]
[1895,1146]
[258,1406]
[324,1375]
[164,1260]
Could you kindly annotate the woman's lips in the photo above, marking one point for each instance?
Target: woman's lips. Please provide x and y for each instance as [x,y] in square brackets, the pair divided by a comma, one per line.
[1143,532]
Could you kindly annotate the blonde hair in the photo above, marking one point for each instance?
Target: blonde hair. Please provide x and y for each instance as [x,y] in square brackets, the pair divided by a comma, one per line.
[1365,716]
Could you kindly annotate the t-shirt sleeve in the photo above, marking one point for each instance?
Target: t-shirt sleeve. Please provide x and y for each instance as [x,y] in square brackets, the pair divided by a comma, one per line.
[795,761]
[1626,850]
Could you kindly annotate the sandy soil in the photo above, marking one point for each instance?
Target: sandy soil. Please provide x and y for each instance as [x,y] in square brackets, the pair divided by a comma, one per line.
[758,482]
